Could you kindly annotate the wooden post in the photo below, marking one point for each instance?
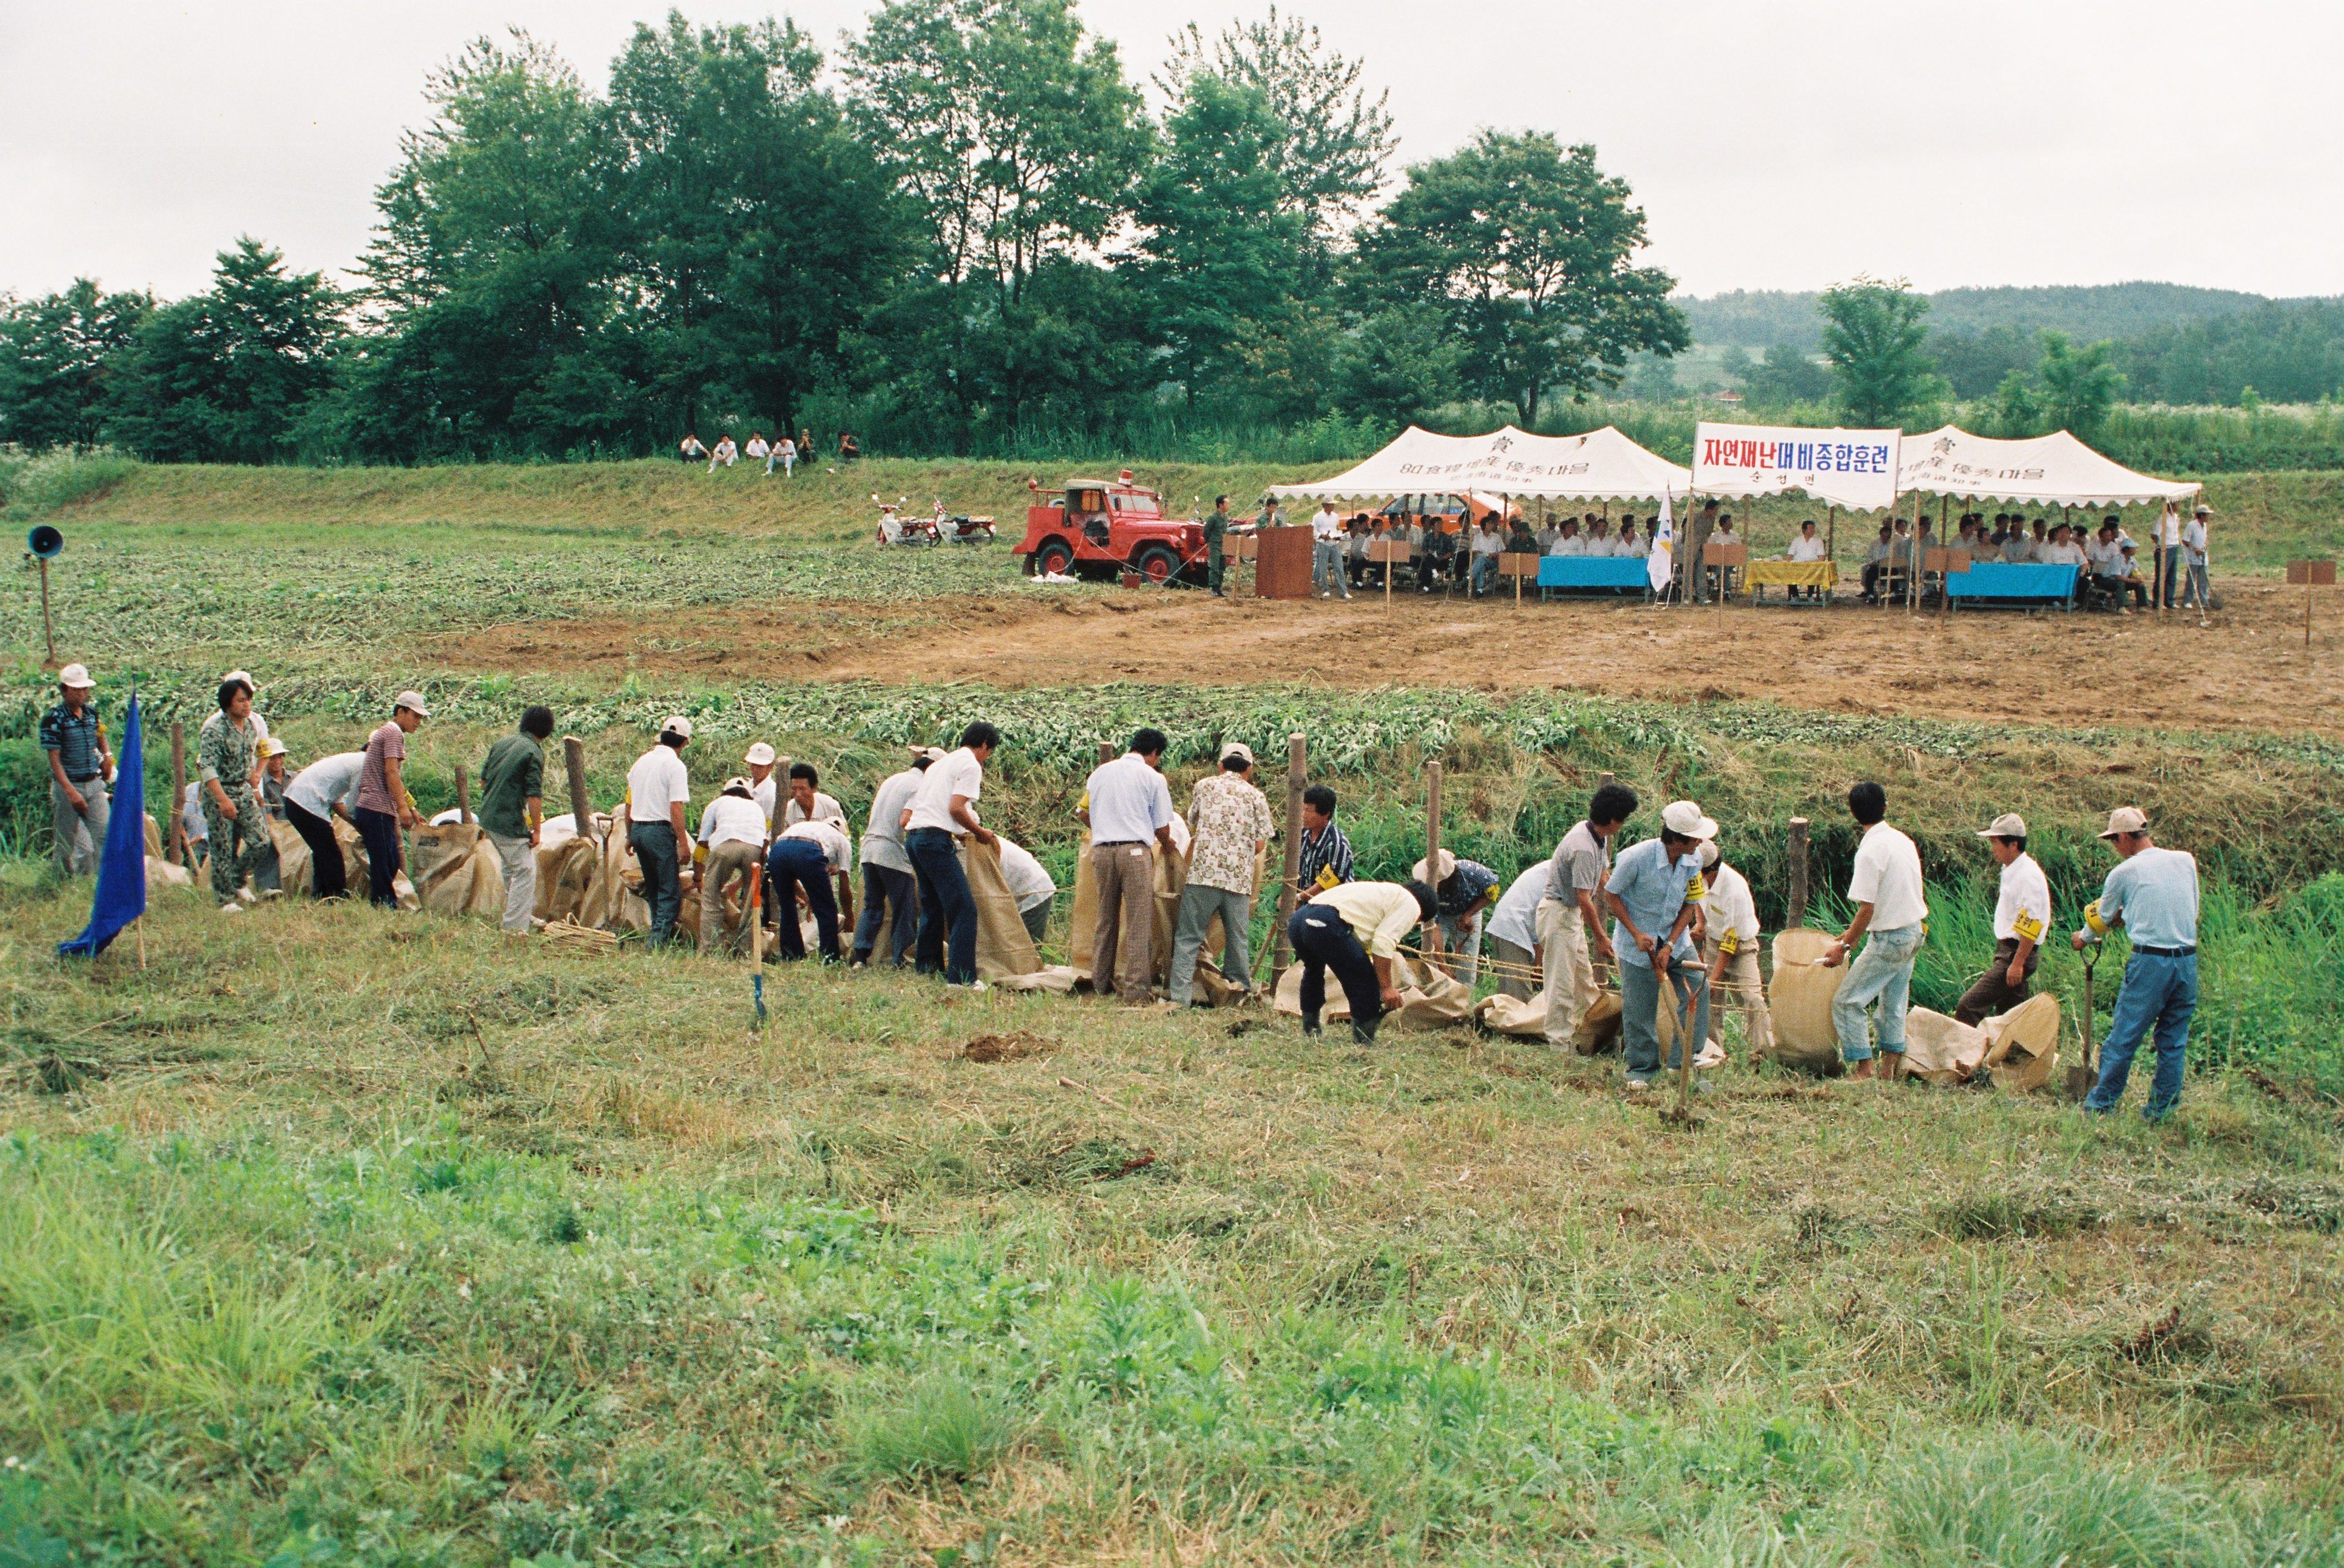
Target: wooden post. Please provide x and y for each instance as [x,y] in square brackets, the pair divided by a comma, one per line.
[1298,779]
[1794,914]
[754,914]
[1106,751]
[179,795]
[1432,842]
[48,631]
[463,794]
[573,758]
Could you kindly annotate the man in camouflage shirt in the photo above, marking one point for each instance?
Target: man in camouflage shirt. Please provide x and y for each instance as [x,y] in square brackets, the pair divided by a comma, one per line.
[227,752]
[1230,823]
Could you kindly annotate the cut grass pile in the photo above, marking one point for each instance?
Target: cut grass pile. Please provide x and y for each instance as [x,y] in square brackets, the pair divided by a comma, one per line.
[357,1238]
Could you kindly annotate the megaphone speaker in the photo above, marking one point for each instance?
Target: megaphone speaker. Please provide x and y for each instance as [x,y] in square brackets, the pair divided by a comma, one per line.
[45,542]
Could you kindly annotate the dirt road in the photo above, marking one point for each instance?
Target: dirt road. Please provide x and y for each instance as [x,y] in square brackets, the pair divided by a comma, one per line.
[2250,668]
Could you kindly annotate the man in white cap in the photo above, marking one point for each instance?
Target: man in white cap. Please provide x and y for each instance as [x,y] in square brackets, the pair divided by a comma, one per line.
[1465,888]
[81,768]
[2022,913]
[733,828]
[1570,921]
[1729,943]
[1228,825]
[888,882]
[2154,894]
[762,788]
[2193,560]
[384,806]
[1654,893]
[1890,905]
[658,789]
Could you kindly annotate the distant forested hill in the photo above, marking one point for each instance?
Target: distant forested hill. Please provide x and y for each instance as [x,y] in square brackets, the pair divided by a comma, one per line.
[1759,318]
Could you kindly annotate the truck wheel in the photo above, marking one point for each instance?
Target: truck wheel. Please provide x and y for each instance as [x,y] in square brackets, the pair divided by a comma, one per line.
[1055,558]
[1158,564]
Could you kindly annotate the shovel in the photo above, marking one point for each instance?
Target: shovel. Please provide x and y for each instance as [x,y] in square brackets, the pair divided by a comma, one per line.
[2080,1076]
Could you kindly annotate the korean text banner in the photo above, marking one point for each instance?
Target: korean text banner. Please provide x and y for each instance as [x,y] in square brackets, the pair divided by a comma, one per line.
[1854,469]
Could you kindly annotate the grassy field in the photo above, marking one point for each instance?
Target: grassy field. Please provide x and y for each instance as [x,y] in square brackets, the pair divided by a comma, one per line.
[336,1238]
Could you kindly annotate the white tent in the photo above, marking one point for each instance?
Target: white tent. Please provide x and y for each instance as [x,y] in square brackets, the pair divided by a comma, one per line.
[2047,471]
[1602,465]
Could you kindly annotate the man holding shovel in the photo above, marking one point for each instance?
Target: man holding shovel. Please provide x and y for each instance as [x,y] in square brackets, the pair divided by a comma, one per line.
[2153,895]
[1654,895]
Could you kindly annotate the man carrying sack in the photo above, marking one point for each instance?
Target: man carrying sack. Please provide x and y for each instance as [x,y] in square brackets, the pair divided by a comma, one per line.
[1128,805]
[2022,913]
[733,827]
[2153,893]
[1570,921]
[1356,930]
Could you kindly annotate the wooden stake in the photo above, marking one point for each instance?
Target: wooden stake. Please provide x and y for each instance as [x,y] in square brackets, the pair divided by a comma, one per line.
[48,630]
[573,758]
[1794,914]
[179,856]
[1106,751]
[1432,842]
[1298,779]
[463,794]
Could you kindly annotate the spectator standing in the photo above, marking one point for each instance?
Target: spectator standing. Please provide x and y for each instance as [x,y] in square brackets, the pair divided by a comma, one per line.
[1886,891]
[512,809]
[2022,913]
[81,768]
[325,789]
[384,806]
[944,806]
[658,789]
[1327,553]
[888,881]
[1229,823]
[1217,530]
[1128,805]
[227,755]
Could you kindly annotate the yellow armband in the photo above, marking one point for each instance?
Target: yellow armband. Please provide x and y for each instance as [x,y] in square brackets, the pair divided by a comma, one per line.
[1697,889]
[1730,942]
[1327,881]
[2094,921]
[2026,927]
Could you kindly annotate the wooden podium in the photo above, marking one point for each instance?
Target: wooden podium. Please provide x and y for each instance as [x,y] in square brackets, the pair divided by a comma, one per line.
[1281,566]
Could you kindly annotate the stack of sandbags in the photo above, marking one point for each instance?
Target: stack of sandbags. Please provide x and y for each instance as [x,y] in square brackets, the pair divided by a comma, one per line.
[455,870]
[2022,1046]
[1429,999]
[1800,998]
[566,868]
[1005,955]
[161,873]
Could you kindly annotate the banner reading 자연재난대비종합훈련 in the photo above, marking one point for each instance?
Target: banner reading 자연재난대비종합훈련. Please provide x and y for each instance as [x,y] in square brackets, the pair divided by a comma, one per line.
[1854,469]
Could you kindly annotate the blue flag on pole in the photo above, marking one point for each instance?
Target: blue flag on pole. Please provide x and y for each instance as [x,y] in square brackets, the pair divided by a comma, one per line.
[122,859]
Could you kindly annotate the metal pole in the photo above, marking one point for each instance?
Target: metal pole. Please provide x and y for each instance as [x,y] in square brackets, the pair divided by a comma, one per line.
[1432,842]
[1298,779]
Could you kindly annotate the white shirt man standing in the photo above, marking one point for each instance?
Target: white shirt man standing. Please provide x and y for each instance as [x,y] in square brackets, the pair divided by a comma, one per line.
[944,806]
[658,789]
[1886,890]
[1127,803]
[1327,553]
[2022,913]
[887,879]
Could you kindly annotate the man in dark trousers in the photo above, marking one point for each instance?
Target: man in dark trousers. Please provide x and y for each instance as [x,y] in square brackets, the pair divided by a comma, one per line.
[1356,930]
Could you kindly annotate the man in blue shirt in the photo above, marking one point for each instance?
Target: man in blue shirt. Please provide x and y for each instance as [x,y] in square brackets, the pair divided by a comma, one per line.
[2153,893]
[1654,893]
[80,768]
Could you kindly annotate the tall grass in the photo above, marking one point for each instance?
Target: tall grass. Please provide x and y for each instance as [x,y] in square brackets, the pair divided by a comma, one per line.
[33,484]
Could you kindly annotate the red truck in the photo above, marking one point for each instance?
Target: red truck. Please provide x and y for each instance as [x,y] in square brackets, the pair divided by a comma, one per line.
[1106,528]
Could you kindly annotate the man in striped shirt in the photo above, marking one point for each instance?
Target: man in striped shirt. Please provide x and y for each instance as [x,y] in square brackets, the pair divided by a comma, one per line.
[1326,853]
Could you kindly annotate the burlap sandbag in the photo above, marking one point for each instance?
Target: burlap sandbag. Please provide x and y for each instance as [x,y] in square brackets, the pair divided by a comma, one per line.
[2022,1046]
[1004,947]
[1800,999]
[565,873]
[1171,877]
[1940,1050]
[456,871]
[1429,998]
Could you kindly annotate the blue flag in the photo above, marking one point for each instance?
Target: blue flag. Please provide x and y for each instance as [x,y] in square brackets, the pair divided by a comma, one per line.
[122,859]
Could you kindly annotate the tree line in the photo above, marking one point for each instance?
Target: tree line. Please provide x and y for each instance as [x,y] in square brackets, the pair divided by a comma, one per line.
[971,224]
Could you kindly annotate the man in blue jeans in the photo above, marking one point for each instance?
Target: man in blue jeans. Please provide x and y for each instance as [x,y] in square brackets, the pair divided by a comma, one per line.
[943,807]
[1889,904]
[2153,895]
[658,789]
[1654,893]
[809,855]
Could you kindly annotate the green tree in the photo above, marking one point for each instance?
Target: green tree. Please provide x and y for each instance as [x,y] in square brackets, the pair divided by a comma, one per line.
[1529,248]
[56,358]
[1786,376]
[1331,141]
[2013,411]
[2079,385]
[1400,365]
[1872,338]
[229,375]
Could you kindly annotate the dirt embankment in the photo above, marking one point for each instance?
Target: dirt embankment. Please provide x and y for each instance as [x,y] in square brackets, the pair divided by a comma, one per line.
[2250,668]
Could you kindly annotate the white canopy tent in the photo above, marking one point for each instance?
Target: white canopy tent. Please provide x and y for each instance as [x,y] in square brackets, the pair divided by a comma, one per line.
[2044,470]
[1602,465]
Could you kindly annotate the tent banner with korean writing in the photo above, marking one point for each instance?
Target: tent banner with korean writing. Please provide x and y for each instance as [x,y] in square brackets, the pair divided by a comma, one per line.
[1854,469]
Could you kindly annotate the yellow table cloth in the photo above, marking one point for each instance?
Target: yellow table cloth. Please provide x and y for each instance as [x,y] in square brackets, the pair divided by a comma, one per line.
[1794,573]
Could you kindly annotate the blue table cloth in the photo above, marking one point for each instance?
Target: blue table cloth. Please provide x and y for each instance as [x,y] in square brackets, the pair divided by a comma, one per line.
[1593,572]
[2007,579]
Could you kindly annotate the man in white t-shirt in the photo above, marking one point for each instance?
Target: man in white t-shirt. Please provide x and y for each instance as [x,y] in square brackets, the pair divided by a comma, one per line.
[887,878]
[756,447]
[807,803]
[784,452]
[944,806]
[1890,906]
[2022,913]
[725,453]
[1808,546]
[733,827]
[1729,943]
[658,789]
[1327,553]
[1512,931]
[763,788]
[2169,554]
[1030,883]
[1126,804]
[2193,560]
[325,789]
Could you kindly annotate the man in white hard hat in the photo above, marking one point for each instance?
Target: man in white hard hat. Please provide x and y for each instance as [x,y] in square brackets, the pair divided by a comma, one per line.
[763,788]
[1654,893]
[2022,913]
[81,768]
[658,789]
[1890,906]
[2153,893]
[733,829]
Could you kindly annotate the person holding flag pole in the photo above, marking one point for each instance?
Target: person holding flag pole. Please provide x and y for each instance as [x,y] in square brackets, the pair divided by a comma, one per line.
[121,896]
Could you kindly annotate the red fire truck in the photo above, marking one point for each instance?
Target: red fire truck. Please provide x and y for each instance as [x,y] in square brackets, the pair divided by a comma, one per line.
[1110,528]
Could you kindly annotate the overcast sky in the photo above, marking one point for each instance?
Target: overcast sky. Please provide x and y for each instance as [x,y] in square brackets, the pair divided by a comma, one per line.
[1779,145]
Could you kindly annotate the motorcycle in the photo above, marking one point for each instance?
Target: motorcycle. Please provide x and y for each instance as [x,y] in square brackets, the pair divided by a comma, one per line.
[895,528]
